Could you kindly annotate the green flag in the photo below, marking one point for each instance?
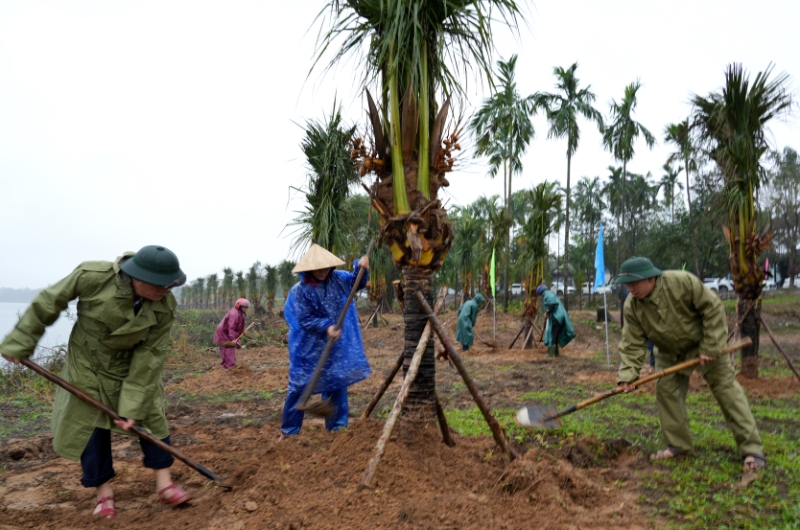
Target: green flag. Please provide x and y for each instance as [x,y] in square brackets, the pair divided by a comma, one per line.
[491,273]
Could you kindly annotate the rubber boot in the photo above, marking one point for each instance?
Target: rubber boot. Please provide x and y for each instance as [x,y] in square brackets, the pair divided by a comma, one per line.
[552,351]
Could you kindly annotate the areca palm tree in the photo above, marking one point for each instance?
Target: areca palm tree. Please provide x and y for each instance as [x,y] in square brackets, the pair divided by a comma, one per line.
[503,129]
[286,276]
[412,50]
[212,288]
[241,285]
[679,134]
[589,206]
[668,182]
[731,125]
[562,110]
[615,194]
[199,292]
[227,286]
[331,173]
[270,285]
[619,137]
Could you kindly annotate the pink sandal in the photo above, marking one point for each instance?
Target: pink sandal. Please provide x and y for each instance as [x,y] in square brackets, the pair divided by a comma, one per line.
[177,497]
[109,512]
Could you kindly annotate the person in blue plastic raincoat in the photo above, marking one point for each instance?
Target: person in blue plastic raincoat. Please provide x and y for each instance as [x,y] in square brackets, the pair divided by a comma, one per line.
[467,316]
[311,311]
[559,330]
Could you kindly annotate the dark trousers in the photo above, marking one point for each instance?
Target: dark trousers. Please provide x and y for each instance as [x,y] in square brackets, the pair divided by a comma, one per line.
[555,330]
[293,418]
[98,466]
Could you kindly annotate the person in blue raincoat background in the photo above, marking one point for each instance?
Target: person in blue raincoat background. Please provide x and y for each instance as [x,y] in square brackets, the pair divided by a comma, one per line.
[559,330]
[311,311]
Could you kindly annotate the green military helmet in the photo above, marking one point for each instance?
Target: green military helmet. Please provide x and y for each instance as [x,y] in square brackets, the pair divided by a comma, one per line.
[155,265]
[636,269]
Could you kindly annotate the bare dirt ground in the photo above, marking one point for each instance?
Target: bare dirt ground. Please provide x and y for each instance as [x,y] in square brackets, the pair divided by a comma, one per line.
[228,420]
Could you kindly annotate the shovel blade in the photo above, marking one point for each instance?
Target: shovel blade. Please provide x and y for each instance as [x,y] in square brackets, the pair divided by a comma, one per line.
[534,417]
[323,408]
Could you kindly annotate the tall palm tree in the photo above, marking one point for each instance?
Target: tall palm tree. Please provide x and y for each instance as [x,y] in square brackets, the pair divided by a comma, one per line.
[563,109]
[212,289]
[412,49]
[615,194]
[466,252]
[503,129]
[589,205]
[679,134]
[227,286]
[331,173]
[731,125]
[668,182]
[620,135]
[286,276]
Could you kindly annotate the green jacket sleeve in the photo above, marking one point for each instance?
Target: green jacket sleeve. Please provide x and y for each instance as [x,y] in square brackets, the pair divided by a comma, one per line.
[632,346]
[715,326]
[143,383]
[43,312]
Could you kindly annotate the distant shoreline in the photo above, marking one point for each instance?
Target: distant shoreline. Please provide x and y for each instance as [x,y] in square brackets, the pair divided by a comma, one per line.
[17,296]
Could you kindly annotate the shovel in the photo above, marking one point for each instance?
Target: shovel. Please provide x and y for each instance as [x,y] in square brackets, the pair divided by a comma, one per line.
[491,343]
[111,413]
[548,418]
[325,408]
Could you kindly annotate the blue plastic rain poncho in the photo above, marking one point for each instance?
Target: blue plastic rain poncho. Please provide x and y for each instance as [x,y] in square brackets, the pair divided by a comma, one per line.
[311,308]
[558,319]
[467,316]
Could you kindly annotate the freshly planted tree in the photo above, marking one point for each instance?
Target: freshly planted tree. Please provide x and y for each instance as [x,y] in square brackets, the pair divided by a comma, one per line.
[731,126]
[227,286]
[503,129]
[254,287]
[563,109]
[270,285]
[199,292]
[241,285]
[212,289]
[679,134]
[286,276]
[620,135]
[412,49]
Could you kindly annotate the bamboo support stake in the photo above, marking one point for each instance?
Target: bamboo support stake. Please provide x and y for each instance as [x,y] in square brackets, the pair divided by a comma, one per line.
[775,342]
[370,318]
[497,431]
[379,394]
[448,440]
[380,448]
[515,338]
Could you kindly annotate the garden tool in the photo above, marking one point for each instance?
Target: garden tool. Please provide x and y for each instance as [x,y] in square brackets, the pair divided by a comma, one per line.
[325,408]
[141,433]
[490,343]
[547,417]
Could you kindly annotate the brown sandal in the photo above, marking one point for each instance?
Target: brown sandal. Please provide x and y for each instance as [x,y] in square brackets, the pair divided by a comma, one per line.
[177,497]
[109,512]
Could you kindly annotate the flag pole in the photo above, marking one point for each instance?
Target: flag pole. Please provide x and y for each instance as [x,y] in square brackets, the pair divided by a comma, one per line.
[605,313]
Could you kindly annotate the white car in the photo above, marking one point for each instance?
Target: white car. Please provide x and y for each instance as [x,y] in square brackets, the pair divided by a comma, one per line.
[725,285]
[712,283]
[770,285]
[517,289]
[796,282]
[558,288]
[606,289]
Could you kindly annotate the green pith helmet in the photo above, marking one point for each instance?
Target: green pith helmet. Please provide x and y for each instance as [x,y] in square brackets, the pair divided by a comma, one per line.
[156,266]
[636,269]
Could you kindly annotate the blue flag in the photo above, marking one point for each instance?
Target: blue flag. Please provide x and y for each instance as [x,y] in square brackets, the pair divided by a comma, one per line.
[599,262]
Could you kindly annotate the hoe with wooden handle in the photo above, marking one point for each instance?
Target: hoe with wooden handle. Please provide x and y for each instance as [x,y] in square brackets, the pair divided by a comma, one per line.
[541,417]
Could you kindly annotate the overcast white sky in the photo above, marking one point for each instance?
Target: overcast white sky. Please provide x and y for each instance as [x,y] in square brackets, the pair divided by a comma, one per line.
[168,122]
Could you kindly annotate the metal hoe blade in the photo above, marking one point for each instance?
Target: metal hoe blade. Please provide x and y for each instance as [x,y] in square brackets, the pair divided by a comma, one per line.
[538,418]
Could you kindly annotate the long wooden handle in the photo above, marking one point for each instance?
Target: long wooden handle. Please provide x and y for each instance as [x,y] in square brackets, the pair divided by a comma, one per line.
[324,357]
[108,411]
[245,331]
[671,370]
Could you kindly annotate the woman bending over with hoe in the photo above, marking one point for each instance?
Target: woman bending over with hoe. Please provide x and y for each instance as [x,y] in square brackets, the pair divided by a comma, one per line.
[116,353]
[311,310]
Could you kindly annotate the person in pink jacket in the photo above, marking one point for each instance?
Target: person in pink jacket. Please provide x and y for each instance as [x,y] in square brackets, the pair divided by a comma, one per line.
[229,332]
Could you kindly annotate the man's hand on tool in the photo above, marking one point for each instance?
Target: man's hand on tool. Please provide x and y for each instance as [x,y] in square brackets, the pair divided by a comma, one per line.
[10,359]
[364,262]
[706,359]
[334,333]
[627,388]
[125,425]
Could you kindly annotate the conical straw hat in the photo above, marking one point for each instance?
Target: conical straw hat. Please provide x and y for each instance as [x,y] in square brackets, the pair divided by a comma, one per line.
[317,258]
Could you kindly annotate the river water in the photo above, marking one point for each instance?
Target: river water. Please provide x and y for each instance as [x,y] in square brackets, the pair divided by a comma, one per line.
[56,335]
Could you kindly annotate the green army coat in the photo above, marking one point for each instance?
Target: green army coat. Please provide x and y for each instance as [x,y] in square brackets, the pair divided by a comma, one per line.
[557,312]
[467,316]
[113,355]
[681,316]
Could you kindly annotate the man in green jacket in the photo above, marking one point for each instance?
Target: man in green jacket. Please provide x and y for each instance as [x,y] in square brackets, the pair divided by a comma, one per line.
[685,320]
[467,316]
[559,331]
[116,353]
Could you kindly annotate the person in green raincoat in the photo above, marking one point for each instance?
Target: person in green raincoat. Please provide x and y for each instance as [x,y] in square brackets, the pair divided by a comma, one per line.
[685,320]
[467,316]
[559,331]
[115,354]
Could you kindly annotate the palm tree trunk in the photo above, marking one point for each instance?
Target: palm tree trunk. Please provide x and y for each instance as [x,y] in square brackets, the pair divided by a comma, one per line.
[506,276]
[622,229]
[693,228]
[750,327]
[421,397]
[566,233]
